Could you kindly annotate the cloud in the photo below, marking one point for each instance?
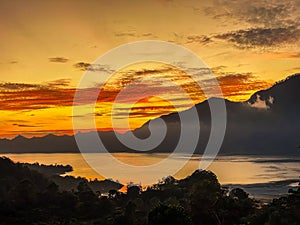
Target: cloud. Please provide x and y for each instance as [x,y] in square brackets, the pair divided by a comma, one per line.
[217,69]
[133,33]
[274,55]
[262,37]
[147,34]
[148,108]
[24,125]
[58,83]
[84,66]
[142,114]
[15,121]
[24,96]
[233,84]
[125,34]
[268,14]
[139,83]
[145,72]
[264,24]
[17,86]
[8,86]
[262,104]
[58,60]
[200,39]
[163,80]
[236,77]
[237,85]
[295,55]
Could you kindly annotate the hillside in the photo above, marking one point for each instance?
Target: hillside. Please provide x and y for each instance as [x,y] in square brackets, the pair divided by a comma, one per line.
[268,123]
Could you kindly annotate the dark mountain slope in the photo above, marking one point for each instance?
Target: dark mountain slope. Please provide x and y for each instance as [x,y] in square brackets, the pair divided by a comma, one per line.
[268,123]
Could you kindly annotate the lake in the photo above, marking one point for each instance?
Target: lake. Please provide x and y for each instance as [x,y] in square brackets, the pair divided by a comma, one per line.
[257,175]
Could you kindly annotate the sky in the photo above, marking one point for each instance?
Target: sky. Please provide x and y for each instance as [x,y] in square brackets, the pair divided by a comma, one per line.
[47,46]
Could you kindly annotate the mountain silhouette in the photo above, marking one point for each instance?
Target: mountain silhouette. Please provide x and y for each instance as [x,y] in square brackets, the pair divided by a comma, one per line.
[266,124]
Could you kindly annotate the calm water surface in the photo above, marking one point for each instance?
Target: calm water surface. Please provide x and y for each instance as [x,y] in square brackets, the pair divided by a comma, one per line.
[229,169]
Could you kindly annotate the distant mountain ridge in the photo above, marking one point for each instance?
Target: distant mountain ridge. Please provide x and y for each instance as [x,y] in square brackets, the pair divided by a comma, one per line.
[268,124]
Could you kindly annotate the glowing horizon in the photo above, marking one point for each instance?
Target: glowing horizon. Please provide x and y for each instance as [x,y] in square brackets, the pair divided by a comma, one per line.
[47,46]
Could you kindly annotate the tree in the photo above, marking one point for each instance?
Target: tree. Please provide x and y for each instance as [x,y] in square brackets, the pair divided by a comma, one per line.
[238,193]
[113,194]
[133,191]
[169,214]
[205,193]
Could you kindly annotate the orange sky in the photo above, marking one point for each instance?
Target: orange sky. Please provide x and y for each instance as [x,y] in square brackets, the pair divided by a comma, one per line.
[47,46]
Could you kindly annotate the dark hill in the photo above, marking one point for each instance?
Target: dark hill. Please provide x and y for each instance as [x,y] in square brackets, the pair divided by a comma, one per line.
[267,124]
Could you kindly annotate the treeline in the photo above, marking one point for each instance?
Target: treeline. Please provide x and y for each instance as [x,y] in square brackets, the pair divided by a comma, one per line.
[28,197]
[49,170]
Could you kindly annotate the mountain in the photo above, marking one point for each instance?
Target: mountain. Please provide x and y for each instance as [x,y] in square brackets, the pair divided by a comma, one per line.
[267,124]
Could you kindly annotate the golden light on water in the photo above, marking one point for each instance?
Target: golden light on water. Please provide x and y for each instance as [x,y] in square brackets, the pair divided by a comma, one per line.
[229,169]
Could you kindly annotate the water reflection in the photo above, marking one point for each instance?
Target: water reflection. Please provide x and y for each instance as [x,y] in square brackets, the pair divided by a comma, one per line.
[229,169]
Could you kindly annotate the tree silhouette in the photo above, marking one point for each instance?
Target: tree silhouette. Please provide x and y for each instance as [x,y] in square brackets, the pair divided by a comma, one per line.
[28,197]
[133,191]
[169,214]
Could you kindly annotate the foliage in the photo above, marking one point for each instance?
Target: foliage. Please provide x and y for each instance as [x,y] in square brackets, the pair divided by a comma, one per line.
[28,197]
[169,214]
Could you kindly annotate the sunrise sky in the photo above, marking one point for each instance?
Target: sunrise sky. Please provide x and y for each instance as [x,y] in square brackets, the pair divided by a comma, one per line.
[47,46]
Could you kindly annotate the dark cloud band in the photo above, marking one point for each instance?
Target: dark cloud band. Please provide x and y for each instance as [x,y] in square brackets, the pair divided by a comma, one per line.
[58,60]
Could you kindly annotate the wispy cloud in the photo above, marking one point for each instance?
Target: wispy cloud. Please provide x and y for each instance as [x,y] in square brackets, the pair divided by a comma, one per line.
[271,14]
[17,86]
[241,86]
[58,83]
[58,60]
[274,55]
[296,68]
[238,85]
[265,25]
[199,39]
[255,38]
[24,125]
[295,55]
[133,33]
[26,86]
[262,37]
[161,81]
[125,34]
[24,96]
[84,66]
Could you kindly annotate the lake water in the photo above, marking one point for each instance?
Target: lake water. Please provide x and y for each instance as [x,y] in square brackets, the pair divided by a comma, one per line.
[247,171]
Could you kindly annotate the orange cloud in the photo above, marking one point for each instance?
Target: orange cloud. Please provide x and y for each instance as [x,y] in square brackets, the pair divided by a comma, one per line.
[240,86]
[156,90]
[25,97]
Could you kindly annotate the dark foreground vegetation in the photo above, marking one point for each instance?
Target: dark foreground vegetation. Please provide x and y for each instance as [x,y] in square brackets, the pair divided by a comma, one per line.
[29,197]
